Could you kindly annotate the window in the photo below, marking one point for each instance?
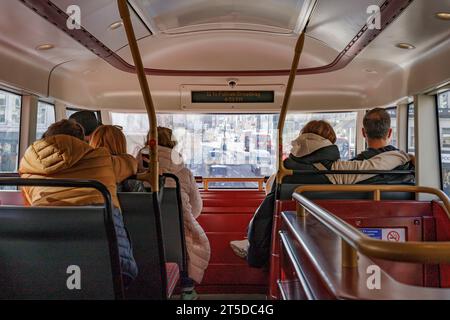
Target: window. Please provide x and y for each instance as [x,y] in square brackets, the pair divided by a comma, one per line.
[2,107]
[71,111]
[10,107]
[393,113]
[233,145]
[410,133]
[45,117]
[444,129]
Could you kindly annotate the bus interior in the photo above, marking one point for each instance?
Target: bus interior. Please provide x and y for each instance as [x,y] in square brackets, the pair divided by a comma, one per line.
[236,81]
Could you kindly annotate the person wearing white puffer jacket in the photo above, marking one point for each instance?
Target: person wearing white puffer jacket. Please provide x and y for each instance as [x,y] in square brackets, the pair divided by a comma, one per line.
[197,243]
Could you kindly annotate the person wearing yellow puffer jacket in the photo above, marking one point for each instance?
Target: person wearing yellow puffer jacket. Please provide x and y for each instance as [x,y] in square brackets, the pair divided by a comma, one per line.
[63,154]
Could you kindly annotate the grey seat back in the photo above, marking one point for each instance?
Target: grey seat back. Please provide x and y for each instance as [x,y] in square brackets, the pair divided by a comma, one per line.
[58,253]
[172,223]
[142,218]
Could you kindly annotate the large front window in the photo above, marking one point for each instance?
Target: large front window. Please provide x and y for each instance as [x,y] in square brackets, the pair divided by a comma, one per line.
[234,145]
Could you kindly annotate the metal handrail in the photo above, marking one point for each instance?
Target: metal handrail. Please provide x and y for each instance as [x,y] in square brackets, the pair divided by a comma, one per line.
[152,175]
[354,241]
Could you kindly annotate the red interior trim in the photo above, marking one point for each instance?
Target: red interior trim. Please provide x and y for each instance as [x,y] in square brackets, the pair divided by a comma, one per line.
[390,10]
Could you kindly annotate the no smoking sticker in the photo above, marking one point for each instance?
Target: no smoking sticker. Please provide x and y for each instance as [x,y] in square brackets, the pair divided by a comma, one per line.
[387,234]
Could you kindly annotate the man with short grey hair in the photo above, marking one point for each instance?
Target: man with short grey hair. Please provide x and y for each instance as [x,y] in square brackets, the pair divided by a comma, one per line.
[378,133]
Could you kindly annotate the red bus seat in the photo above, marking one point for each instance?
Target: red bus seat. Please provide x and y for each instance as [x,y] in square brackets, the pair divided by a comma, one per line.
[225,217]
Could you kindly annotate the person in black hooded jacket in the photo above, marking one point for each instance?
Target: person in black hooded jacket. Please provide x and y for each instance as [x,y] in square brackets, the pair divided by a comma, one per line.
[314,149]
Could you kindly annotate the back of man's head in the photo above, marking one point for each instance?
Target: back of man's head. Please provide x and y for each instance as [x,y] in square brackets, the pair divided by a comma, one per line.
[377,124]
[67,127]
[87,119]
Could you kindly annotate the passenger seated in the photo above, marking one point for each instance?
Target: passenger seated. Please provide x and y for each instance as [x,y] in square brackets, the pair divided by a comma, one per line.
[112,139]
[314,149]
[88,120]
[378,132]
[197,243]
[63,154]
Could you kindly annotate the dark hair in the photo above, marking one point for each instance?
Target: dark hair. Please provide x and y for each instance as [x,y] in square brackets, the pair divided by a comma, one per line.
[67,127]
[377,123]
[87,119]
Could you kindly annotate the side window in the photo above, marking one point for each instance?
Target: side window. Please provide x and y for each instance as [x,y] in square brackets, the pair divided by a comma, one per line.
[71,111]
[411,141]
[444,130]
[10,108]
[393,113]
[45,117]
[2,107]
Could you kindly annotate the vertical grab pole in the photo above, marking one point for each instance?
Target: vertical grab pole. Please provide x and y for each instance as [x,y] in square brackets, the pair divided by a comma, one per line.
[308,12]
[282,171]
[153,171]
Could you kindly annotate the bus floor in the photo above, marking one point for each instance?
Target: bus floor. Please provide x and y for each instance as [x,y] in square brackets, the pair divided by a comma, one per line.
[228,297]
[225,217]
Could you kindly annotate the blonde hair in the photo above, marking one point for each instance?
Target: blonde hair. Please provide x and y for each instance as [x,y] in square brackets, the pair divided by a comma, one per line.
[321,128]
[165,138]
[111,138]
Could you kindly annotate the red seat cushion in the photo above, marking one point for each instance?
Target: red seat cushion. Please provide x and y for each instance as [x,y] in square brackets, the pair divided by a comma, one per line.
[173,275]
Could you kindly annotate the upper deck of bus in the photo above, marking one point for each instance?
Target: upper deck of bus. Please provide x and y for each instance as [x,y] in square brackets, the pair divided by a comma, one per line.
[219,74]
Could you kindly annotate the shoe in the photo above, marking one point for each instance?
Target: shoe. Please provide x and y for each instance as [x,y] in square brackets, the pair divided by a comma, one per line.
[189,295]
[240,248]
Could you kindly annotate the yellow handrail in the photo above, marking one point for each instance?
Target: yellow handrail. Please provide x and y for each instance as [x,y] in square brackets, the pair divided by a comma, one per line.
[152,174]
[207,181]
[354,241]
[377,189]
[282,171]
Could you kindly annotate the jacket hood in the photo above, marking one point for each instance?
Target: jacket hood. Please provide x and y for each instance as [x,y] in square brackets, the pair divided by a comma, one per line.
[170,160]
[53,154]
[308,143]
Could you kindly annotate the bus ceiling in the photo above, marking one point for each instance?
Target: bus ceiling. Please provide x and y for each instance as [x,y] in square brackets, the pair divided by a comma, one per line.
[389,11]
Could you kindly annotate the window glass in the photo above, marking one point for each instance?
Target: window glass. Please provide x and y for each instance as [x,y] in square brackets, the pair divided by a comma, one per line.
[411,141]
[233,145]
[444,124]
[45,117]
[10,108]
[71,111]
[393,113]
